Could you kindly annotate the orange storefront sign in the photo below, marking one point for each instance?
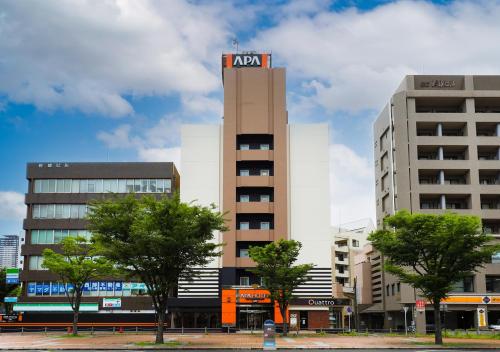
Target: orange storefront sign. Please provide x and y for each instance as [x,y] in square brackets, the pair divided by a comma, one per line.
[232,297]
[472,299]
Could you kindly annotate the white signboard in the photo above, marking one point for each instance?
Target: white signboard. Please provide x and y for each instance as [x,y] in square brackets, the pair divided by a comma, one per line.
[112,302]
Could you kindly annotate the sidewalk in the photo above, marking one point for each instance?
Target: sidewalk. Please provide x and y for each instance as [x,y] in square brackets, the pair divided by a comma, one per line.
[56,341]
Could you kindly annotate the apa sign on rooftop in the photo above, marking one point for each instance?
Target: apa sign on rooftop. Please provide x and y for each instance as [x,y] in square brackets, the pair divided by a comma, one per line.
[246,60]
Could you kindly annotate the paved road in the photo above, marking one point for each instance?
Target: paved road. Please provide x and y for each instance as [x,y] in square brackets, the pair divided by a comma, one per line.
[292,350]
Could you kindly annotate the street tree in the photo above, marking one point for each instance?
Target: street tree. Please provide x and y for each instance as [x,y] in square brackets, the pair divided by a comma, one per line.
[7,290]
[433,252]
[275,266]
[78,262]
[158,241]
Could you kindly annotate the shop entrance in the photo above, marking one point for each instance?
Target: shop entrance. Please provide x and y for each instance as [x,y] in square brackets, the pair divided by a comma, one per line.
[253,318]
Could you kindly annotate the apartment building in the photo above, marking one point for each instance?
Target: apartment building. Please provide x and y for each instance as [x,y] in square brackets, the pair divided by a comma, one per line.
[348,241]
[9,251]
[56,200]
[271,177]
[437,148]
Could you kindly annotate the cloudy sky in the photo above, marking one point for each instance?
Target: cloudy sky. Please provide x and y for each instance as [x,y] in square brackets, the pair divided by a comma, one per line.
[113,80]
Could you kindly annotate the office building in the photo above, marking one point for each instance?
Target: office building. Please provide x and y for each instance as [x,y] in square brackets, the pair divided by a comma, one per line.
[56,201]
[9,251]
[437,148]
[271,177]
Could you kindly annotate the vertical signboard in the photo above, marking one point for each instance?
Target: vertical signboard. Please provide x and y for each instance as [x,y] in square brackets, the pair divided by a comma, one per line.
[481,317]
[420,304]
[12,276]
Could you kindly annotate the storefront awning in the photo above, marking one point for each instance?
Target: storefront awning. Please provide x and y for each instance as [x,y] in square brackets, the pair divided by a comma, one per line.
[54,307]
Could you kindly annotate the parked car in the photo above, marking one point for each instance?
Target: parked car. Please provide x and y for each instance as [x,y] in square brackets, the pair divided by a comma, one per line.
[495,327]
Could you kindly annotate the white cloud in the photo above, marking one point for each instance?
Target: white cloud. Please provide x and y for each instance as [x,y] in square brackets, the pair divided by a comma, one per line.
[161,154]
[352,183]
[12,206]
[88,55]
[353,60]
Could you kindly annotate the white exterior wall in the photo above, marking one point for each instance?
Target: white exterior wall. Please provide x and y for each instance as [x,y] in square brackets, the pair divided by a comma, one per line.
[309,192]
[201,168]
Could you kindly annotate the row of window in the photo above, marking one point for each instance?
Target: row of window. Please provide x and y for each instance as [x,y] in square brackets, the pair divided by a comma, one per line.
[56,236]
[261,146]
[103,185]
[93,288]
[59,211]
[245,198]
[262,225]
[391,290]
[261,172]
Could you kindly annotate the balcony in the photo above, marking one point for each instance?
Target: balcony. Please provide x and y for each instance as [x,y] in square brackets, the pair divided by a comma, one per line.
[254,207]
[487,105]
[254,235]
[338,248]
[489,177]
[254,181]
[242,155]
[344,261]
[447,129]
[487,152]
[439,105]
[345,273]
[486,129]
[490,201]
[245,262]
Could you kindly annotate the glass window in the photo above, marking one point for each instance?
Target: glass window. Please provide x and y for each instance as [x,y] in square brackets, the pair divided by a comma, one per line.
[167,187]
[60,186]
[244,172]
[107,186]
[74,211]
[75,186]
[244,253]
[265,198]
[35,262]
[67,186]
[82,211]
[130,185]
[495,258]
[45,186]
[59,211]
[244,225]
[122,186]
[98,186]
[244,198]
[244,281]
[34,237]
[493,284]
[114,186]
[264,172]
[52,186]
[38,186]
[84,186]
[91,188]
[137,186]
[264,225]
[36,211]
[50,236]
[355,243]
[159,186]
[58,236]
[51,211]
[244,146]
[152,186]
[66,211]
[264,146]
[144,186]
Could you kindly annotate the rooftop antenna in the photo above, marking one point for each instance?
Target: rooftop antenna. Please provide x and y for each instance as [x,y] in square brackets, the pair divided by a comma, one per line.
[236,44]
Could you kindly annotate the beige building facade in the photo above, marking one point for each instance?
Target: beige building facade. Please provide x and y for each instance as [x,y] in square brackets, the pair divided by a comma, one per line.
[437,149]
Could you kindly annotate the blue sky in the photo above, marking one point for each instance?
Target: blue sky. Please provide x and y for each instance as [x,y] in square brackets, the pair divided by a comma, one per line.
[113,81]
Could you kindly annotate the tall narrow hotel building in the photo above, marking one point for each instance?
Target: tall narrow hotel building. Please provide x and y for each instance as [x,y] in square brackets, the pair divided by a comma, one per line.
[272,179]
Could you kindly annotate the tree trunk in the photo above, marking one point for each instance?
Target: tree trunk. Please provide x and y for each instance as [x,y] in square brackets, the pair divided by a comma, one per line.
[76,313]
[160,322]
[285,323]
[438,336]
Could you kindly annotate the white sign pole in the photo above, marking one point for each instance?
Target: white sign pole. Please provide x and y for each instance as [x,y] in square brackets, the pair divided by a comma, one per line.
[406,326]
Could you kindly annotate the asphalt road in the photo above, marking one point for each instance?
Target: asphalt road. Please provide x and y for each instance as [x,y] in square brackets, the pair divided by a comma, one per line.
[291,350]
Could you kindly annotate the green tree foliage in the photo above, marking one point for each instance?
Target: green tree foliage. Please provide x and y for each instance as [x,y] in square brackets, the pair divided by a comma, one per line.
[7,290]
[275,265]
[78,263]
[157,241]
[433,252]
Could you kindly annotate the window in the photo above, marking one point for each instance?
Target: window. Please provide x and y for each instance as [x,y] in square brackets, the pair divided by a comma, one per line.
[244,281]
[265,225]
[244,146]
[264,146]
[35,262]
[244,225]
[465,285]
[264,172]
[244,198]
[244,253]
[355,243]
[398,287]
[387,290]
[265,198]
[244,172]
[393,289]
[493,284]
[262,282]
[38,186]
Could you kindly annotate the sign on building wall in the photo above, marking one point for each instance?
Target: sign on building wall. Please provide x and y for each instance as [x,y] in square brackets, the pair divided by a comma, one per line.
[246,60]
[420,304]
[481,317]
[111,302]
[12,276]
